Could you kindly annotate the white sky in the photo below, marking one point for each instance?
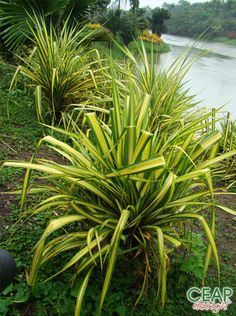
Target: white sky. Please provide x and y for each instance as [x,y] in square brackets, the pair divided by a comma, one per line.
[158,3]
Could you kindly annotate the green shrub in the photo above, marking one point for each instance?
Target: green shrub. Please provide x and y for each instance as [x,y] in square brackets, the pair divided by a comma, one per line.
[60,69]
[126,190]
[125,25]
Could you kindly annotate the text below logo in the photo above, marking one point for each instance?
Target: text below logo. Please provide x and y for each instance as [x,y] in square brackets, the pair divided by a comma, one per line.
[207,299]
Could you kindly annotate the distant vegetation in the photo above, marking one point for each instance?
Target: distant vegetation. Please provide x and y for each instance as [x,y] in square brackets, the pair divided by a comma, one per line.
[217,18]
[105,16]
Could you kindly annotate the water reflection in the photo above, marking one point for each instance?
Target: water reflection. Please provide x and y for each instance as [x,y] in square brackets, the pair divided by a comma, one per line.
[212,78]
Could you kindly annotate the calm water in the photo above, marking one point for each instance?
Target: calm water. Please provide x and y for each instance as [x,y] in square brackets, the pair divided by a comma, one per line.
[213,77]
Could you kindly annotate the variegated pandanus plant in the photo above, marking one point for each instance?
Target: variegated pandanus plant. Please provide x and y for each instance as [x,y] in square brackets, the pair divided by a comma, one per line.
[133,188]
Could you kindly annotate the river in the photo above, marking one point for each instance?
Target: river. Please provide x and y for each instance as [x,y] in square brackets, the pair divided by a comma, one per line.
[213,77]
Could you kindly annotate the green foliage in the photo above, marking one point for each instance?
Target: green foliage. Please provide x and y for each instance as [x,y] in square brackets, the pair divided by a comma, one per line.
[126,25]
[142,23]
[6,73]
[193,262]
[60,69]
[122,191]
[128,29]
[128,187]
[16,16]
[100,6]
[57,298]
[13,122]
[170,101]
[18,298]
[228,167]
[134,5]
[217,18]
[158,19]
[149,47]
[225,40]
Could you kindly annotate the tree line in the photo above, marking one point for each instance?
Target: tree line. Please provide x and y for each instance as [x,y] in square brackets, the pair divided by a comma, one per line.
[216,18]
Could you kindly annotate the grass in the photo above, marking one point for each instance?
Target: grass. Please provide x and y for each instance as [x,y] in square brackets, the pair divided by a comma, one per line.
[162,48]
[116,53]
[225,40]
[19,130]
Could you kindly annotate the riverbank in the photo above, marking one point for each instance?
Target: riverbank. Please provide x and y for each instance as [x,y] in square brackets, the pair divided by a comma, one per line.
[225,40]
[157,48]
[133,46]
[211,78]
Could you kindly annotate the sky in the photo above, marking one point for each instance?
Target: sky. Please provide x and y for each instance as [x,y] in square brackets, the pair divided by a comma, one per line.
[159,3]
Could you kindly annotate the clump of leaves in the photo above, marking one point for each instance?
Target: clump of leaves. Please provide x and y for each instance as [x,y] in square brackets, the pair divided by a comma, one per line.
[228,144]
[60,68]
[16,16]
[126,189]
[193,259]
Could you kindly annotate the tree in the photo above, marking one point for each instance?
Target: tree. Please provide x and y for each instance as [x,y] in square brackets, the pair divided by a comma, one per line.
[112,20]
[134,4]
[158,18]
[142,23]
[128,28]
[99,6]
[123,24]
[214,18]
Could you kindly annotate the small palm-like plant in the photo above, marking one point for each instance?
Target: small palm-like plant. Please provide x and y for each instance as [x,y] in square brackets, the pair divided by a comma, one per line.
[170,101]
[60,68]
[131,189]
